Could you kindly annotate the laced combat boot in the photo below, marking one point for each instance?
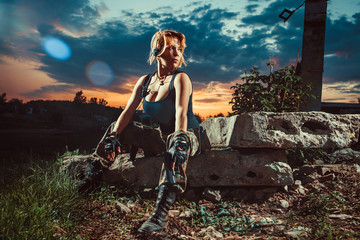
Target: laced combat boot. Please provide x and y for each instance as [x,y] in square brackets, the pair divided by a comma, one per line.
[158,220]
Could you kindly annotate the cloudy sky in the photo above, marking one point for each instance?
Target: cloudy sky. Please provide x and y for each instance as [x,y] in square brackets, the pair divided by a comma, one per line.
[51,49]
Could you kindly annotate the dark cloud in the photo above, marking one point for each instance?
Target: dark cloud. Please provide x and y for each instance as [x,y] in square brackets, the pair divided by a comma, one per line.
[44,90]
[212,55]
[76,15]
[194,4]
[335,99]
[342,50]
[345,88]
[154,15]
[5,48]
[341,44]
[7,18]
[251,8]
[270,15]
[124,52]
[354,90]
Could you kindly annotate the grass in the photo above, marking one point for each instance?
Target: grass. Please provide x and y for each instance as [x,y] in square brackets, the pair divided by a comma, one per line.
[316,209]
[38,204]
[38,201]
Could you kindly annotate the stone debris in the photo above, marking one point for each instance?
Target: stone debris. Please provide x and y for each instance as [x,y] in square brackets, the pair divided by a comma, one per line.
[357,168]
[284,204]
[344,155]
[265,221]
[217,168]
[283,130]
[247,162]
[297,183]
[296,234]
[184,237]
[247,150]
[340,216]
[210,233]
[174,213]
[185,214]
[211,195]
[121,208]
[328,177]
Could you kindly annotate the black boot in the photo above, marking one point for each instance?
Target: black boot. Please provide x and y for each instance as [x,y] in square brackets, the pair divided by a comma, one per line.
[157,221]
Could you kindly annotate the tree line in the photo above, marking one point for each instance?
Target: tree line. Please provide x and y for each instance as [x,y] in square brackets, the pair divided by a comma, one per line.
[80,98]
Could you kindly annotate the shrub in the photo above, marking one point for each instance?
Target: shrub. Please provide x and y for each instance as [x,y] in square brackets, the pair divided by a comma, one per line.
[280,91]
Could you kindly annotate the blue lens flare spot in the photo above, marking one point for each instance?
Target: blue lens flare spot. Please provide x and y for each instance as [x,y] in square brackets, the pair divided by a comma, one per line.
[56,48]
[99,73]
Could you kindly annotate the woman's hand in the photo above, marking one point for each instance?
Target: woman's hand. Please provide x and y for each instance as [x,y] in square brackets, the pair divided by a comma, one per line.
[112,147]
[178,151]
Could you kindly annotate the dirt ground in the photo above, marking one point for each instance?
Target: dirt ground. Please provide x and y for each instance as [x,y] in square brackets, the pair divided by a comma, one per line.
[322,204]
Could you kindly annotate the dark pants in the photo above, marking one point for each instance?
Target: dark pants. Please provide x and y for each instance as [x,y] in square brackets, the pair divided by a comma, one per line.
[179,169]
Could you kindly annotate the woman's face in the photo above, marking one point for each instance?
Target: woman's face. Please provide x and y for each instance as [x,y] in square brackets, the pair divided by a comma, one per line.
[172,55]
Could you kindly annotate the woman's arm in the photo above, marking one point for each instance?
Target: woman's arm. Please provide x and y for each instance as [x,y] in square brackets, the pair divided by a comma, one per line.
[130,108]
[183,89]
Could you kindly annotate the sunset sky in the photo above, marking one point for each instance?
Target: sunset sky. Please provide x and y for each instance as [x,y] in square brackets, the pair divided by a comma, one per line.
[51,49]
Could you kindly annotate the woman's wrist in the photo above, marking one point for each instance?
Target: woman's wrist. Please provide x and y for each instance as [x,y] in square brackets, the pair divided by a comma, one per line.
[114,134]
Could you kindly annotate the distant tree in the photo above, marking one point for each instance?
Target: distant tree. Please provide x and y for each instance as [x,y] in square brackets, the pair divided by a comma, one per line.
[15,105]
[2,98]
[2,102]
[16,101]
[219,115]
[198,118]
[103,102]
[79,97]
[93,100]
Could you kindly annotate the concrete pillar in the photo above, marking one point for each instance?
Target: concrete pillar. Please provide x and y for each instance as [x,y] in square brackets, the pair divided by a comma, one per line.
[312,59]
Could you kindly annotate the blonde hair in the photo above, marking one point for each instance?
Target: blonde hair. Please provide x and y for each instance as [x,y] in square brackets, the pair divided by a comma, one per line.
[161,40]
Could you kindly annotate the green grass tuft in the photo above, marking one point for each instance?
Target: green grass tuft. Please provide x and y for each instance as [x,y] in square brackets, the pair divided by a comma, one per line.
[39,205]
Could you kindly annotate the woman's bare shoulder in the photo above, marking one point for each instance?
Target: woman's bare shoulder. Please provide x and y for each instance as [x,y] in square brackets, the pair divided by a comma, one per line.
[182,78]
[183,74]
[141,80]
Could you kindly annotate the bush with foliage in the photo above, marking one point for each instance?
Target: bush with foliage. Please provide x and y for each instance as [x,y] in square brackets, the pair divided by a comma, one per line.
[280,91]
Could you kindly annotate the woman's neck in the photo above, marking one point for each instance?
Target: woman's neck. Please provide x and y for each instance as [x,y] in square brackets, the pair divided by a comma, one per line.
[163,71]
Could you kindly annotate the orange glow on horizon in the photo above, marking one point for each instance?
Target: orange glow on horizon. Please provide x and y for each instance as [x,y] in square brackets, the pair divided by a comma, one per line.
[335,93]
[19,77]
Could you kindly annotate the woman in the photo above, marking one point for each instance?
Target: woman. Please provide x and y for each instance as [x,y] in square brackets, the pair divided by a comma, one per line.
[167,98]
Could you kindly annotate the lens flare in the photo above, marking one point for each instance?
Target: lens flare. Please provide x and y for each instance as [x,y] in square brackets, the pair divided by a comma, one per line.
[56,48]
[99,73]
